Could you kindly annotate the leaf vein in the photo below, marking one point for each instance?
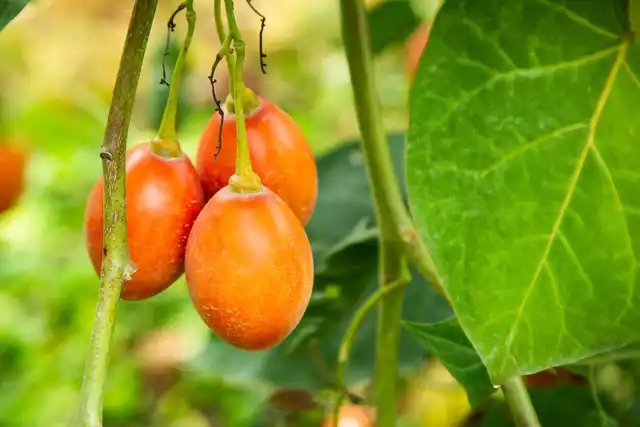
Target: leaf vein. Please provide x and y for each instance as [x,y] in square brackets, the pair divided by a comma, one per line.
[577,18]
[602,100]
[530,145]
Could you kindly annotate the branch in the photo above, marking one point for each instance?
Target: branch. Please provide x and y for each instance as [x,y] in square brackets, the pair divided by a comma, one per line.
[392,216]
[116,265]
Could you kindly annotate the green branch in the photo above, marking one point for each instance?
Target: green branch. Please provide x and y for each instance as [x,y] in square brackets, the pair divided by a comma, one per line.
[115,263]
[519,402]
[392,216]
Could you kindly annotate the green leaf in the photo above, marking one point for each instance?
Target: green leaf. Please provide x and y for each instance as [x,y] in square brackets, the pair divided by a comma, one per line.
[391,23]
[344,238]
[556,407]
[523,174]
[9,9]
[447,341]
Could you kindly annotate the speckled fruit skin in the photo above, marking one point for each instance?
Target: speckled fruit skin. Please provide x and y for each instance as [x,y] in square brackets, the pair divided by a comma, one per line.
[164,197]
[249,268]
[12,169]
[350,416]
[279,151]
[414,47]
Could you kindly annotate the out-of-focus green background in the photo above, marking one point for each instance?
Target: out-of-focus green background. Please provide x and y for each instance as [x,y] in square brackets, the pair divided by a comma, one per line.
[59,60]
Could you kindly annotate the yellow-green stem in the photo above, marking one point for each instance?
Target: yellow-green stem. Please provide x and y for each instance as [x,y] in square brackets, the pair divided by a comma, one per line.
[519,402]
[244,180]
[115,263]
[166,142]
[391,213]
[231,61]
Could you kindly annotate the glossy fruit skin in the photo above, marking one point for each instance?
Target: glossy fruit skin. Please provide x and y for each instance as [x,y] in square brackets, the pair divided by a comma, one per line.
[279,152]
[249,268]
[164,197]
[414,47]
[350,416]
[12,171]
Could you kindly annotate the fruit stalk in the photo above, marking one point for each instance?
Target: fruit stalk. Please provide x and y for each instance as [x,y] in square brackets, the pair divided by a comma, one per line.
[391,214]
[231,61]
[116,263]
[244,180]
[515,393]
[166,143]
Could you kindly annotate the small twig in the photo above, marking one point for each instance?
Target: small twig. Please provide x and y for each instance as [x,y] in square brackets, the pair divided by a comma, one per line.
[347,340]
[171,27]
[263,23]
[225,51]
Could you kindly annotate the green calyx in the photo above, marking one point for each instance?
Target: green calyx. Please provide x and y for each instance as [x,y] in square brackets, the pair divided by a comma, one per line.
[249,182]
[167,148]
[250,103]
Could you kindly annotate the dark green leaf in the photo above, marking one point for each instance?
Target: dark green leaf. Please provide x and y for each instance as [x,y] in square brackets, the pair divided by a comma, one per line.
[391,23]
[9,9]
[558,407]
[447,341]
[523,176]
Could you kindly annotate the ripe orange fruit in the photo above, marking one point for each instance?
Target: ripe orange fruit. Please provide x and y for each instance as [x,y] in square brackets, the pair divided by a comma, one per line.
[350,415]
[279,152]
[414,47]
[249,268]
[163,199]
[12,170]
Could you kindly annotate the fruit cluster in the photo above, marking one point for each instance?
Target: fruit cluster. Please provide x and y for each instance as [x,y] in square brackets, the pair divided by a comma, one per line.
[246,255]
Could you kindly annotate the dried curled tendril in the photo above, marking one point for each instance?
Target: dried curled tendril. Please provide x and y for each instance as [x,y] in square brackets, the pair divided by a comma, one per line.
[263,19]
[219,109]
[171,26]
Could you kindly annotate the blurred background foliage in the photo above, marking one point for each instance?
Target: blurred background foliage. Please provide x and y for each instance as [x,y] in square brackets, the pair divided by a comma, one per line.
[59,60]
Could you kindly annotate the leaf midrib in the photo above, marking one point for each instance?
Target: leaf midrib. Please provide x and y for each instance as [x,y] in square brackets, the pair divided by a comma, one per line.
[590,143]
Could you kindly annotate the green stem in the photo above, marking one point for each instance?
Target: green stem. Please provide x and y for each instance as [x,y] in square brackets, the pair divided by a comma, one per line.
[347,340]
[231,60]
[392,216]
[115,263]
[166,143]
[515,393]
[244,180]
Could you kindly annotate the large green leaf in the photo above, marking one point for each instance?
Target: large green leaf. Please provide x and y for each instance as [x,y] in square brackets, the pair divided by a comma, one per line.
[447,341]
[9,9]
[343,235]
[523,169]
[391,23]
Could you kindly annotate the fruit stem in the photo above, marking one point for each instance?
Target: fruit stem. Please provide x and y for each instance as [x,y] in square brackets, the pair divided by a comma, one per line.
[244,180]
[222,36]
[115,263]
[166,142]
[519,402]
[347,340]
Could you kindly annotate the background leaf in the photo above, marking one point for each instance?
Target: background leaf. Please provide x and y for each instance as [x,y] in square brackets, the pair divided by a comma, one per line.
[559,407]
[447,341]
[390,23]
[523,174]
[9,9]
